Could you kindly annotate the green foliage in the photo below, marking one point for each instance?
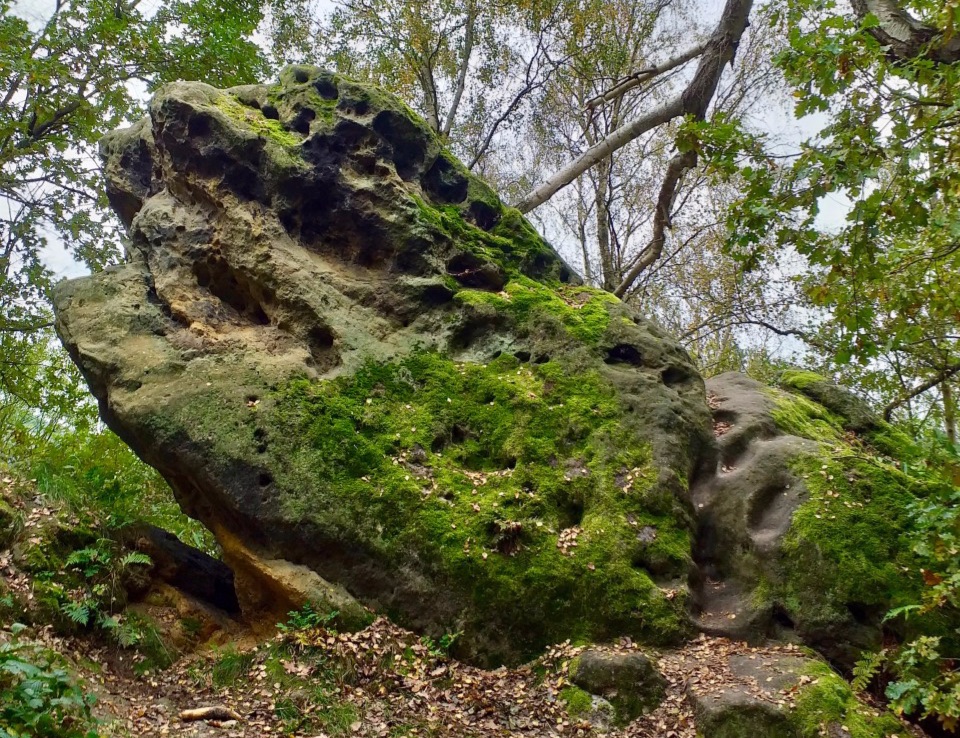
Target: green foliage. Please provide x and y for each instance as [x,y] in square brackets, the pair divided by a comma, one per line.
[38,698]
[825,698]
[307,618]
[75,461]
[440,647]
[881,285]
[99,594]
[925,681]
[230,666]
[65,83]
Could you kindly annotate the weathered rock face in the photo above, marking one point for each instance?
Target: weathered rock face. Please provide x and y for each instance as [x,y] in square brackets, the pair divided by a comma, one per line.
[381,389]
[377,384]
[804,528]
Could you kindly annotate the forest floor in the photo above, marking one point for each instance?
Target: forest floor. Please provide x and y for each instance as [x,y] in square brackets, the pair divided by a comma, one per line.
[384,682]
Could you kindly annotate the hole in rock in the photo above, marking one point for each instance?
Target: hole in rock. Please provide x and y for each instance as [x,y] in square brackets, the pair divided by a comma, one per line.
[410,258]
[541,359]
[270,112]
[326,88]
[301,76]
[781,617]
[435,295]
[673,376]
[522,356]
[265,479]
[405,138]
[483,215]
[444,183]
[225,286]
[358,106]
[571,512]
[198,125]
[541,265]
[260,436]
[320,336]
[472,271]
[301,121]
[624,353]
[566,276]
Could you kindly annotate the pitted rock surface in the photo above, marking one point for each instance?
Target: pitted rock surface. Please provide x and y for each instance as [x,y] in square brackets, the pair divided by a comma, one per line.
[377,385]
[384,392]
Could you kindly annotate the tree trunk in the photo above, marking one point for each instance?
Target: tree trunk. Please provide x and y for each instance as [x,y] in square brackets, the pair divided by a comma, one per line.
[949,413]
[905,36]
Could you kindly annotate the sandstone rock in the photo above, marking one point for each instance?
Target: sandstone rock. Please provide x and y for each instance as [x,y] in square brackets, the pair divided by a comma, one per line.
[350,359]
[780,696]
[802,530]
[628,681]
[382,390]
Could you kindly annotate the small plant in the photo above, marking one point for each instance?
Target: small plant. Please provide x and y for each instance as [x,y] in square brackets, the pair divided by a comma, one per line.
[440,648]
[307,618]
[230,666]
[37,696]
[924,680]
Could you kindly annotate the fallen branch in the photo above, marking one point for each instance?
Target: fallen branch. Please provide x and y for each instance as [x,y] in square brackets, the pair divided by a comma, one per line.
[216,712]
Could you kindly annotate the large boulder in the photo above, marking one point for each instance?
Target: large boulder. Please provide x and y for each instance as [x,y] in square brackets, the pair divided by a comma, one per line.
[377,385]
[382,390]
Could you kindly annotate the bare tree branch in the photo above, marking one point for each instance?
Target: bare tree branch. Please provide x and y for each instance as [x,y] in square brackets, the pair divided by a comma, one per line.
[694,100]
[661,220]
[919,389]
[623,85]
[464,67]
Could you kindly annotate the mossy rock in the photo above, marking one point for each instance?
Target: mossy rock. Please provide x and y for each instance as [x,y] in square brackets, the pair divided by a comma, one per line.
[807,523]
[345,353]
[783,696]
[627,680]
[9,523]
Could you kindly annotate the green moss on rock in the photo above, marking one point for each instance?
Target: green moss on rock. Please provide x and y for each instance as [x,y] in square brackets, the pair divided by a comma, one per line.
[583,311]
[579,703]
[848,556]
[827,702]
[507,478]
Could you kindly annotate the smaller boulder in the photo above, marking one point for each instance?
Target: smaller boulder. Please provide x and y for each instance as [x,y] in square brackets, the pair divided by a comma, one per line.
[628,681]
[774,692]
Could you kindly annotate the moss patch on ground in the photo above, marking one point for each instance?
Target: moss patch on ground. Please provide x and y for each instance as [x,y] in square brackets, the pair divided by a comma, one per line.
[510,480]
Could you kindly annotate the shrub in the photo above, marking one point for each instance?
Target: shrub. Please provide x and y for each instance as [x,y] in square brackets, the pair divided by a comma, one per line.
[38,698]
